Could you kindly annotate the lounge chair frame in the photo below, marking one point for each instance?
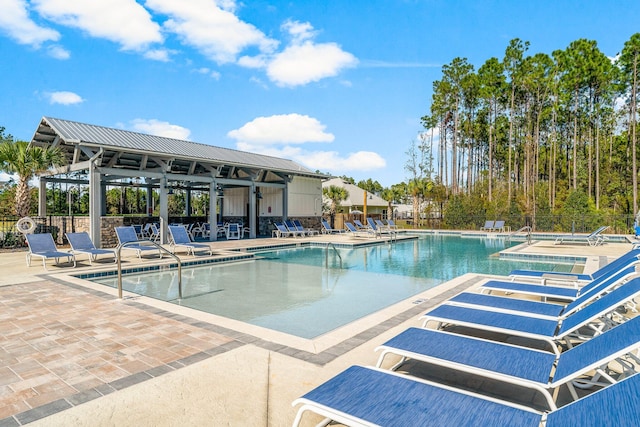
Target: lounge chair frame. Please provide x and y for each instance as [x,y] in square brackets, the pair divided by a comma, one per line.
[180,238]
[42,245]
[81,243]
[127,235]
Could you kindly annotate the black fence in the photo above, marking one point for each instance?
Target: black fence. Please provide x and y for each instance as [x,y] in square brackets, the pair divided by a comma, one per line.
[10,238]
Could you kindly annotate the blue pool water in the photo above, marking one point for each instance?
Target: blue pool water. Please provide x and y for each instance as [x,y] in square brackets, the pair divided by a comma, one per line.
[304,292]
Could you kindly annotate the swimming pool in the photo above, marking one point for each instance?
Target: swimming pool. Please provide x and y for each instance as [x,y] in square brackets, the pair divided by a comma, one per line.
[305,292]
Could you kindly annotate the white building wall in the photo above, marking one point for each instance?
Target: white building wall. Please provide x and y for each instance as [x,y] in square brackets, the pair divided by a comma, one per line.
[235,202]
[271,202]
[305,197]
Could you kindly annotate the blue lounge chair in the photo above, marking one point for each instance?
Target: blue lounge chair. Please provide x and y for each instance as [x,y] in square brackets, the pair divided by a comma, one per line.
[584,365]
[594,318]
[384,228]
[488,226]
[498,226]
[82,243]
[516,305]
[391,224]
[289,224]
[326,228]
[282,231]
[359,225]
[546,276]
[355,232]
[43,246]
[594,239]
[370,396]
[557,292]
[180,238]
[307,231]
[128,239]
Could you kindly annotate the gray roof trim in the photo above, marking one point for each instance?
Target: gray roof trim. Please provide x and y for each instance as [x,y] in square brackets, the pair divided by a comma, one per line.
[122,140]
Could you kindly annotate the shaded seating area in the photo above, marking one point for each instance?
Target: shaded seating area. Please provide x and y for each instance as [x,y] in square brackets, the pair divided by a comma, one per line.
[128,239]
[43,246]
[81,243]
[596,238]
[180,239]
[589,378]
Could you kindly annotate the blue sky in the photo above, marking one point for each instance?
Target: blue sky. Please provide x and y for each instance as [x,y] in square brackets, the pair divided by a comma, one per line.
[338,86]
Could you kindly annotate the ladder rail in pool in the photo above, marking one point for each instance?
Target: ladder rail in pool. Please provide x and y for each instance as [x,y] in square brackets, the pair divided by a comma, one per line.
[326,258]
[160,248]
[526,229]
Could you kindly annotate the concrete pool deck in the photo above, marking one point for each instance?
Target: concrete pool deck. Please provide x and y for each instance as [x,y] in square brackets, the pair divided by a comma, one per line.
[71,353]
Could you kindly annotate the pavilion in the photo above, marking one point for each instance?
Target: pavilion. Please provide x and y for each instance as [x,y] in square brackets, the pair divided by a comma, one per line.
[249,186]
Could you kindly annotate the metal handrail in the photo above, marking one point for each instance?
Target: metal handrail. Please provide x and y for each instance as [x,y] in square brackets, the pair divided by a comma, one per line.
[326,256]
[174,256]
[525,228]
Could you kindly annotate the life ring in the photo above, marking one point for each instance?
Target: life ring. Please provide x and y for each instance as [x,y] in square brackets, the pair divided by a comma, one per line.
[26,225]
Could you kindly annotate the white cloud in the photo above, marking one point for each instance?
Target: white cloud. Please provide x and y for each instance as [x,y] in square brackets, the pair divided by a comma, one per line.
[326,161]
[282,129]
[304,61]
[122,21]
[209,72]
[158,54]
[160,128]
[15,21]
[212,29]
[283,135]
[64,98]
[58,52]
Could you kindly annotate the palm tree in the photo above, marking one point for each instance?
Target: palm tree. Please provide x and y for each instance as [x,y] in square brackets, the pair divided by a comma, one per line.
[26,161]
[389,195]
[336,195]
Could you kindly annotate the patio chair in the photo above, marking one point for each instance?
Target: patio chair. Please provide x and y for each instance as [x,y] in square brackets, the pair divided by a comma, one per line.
[371,396]
[128,239]
[372,226]
[326,228]
[594,239]
[307,231]
[498,226]
[583,366]
[282,231]
[621,261]
[180,238]
[293,229]
[359,225]
[392,225]
[488,226]
[234,231]
[383,227]
[526,306]
[355,232]
[152,232]
[139,231]
[42,245]
[564,293]
[82,243]
[594,318]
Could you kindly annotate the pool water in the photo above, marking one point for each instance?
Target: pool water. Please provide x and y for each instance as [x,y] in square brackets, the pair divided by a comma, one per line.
[304,292]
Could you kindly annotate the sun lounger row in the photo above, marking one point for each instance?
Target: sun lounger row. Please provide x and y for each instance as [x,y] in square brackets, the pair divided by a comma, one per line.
[594,344]
[493,226]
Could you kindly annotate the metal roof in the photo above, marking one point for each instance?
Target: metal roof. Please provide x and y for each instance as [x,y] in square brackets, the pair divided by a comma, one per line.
[70,133]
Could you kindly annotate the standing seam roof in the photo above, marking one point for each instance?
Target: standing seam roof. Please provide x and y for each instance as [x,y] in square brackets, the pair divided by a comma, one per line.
[118,138]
